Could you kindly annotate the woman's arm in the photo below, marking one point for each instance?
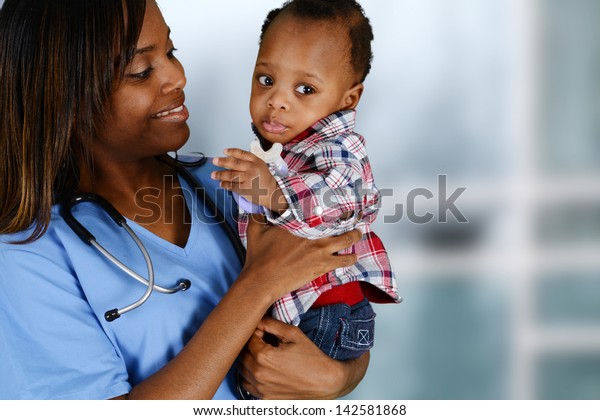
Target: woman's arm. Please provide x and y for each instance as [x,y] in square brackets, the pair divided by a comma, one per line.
[296,368]
[274,255]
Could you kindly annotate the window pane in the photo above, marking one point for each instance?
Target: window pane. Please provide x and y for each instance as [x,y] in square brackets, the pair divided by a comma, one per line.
[562,377]
[569,224]
[571,86]
[569,298]
[447,340]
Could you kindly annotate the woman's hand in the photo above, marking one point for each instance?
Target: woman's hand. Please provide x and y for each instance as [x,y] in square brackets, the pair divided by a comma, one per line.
[296,368]
[278,261]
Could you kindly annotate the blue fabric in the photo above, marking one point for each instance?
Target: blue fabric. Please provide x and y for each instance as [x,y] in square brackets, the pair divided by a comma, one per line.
[54,341]
[342,331]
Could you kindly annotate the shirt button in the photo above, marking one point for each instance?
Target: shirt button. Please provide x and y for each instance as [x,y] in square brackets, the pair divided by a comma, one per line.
[318,211]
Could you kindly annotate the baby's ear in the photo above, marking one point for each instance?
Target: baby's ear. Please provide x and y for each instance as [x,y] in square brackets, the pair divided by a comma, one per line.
[352,96]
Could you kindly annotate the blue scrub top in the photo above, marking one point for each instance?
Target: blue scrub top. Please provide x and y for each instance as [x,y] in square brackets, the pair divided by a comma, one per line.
[54,341]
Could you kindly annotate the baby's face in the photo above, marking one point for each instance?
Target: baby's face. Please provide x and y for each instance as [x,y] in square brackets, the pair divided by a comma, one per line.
[302,75]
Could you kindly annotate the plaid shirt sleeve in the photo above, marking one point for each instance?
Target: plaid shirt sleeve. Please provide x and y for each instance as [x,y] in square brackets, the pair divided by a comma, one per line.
[331,191]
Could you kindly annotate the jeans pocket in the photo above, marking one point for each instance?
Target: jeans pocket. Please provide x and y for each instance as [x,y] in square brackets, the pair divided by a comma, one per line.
[357,334]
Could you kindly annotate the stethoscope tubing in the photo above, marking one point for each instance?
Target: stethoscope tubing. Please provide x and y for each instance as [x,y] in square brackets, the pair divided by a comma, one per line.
[146,282]
[87,237]
[118,218]
[113,314]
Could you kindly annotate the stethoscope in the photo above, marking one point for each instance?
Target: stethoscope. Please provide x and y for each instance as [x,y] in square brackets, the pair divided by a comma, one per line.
[85,235]
[180,166]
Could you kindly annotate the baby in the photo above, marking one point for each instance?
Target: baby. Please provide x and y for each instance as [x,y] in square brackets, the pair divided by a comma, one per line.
[309,171]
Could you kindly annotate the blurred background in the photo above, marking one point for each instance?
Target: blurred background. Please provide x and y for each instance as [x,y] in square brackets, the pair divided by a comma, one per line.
[502,97]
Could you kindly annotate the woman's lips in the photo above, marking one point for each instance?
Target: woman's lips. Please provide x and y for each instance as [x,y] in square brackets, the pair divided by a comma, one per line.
[273,127]
[172,111]
[177,114]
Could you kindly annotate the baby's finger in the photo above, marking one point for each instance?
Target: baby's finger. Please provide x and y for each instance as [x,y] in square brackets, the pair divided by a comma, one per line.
[229,186]
[233,163]
[227,176]
[241,154]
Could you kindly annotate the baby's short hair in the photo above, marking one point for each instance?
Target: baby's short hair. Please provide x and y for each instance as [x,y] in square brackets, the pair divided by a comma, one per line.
[346,13]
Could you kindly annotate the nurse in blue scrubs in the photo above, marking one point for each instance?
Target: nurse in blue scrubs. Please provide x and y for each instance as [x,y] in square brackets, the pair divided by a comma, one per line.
[92,93]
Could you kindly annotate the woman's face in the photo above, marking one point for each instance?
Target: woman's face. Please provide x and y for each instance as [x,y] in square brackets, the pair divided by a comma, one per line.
[146,115]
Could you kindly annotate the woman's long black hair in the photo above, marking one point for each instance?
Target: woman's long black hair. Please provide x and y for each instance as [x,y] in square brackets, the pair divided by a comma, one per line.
[59,61]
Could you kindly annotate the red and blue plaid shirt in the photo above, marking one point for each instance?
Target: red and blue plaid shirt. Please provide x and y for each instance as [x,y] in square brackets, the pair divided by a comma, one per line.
[330,190]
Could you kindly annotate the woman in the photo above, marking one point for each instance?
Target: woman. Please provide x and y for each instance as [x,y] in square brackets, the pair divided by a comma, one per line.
[92,94]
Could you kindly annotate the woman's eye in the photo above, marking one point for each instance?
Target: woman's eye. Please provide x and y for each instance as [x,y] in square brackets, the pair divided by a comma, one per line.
[305,90]
[265,80]
[171,53]
[142,75]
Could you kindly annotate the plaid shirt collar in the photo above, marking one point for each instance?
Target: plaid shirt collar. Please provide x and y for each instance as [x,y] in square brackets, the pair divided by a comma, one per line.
[331,126]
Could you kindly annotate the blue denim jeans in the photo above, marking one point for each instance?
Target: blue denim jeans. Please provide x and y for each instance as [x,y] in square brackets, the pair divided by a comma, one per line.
[343,332]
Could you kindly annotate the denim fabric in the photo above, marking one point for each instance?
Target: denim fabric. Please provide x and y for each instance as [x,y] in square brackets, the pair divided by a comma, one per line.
[343,332]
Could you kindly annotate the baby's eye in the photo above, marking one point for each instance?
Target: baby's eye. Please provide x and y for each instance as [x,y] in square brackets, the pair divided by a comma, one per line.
[305,90]
[265,80]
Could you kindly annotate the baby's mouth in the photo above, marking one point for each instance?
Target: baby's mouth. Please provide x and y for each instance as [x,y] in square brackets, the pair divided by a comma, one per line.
[273,127]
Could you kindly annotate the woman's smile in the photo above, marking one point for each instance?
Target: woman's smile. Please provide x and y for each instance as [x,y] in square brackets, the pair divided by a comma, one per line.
[178,114]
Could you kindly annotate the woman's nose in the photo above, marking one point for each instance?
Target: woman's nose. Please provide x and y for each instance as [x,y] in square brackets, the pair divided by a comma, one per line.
[174,78]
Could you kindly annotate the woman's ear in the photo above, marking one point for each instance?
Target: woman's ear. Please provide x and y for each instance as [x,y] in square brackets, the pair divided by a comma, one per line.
[352,96]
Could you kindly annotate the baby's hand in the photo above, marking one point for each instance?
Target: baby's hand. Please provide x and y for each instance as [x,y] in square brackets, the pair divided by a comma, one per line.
[249,177]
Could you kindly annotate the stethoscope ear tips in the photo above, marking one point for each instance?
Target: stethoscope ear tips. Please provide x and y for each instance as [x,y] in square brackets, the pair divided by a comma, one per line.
[111,315]
[184,285]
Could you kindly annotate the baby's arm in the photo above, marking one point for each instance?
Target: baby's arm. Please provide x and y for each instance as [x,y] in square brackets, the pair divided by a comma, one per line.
[249,176]
[332,192]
